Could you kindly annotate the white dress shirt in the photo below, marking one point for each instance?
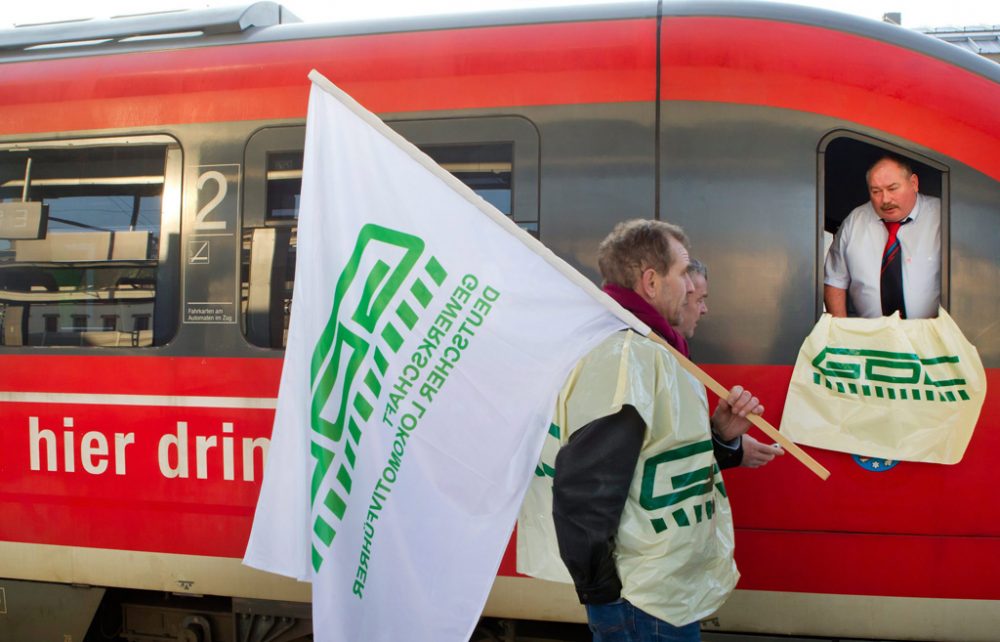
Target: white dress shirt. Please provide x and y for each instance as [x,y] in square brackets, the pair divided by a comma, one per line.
[854,261]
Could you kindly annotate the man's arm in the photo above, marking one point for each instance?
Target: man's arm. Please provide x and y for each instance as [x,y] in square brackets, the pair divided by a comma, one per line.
[728,454]
[836,275]
[835,300]
[593,474]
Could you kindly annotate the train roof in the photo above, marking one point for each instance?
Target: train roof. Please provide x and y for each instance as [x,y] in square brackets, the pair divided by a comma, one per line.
[270,22]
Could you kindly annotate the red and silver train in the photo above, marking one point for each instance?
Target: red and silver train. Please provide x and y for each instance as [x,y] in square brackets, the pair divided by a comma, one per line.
[149,176]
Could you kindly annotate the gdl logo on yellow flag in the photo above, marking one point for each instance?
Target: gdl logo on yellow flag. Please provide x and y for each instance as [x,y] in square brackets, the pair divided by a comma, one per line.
[896,389]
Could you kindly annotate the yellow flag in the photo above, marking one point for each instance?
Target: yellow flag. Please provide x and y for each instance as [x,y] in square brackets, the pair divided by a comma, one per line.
[890,388]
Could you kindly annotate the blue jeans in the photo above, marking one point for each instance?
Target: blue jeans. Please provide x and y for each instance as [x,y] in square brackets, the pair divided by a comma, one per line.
[621,622]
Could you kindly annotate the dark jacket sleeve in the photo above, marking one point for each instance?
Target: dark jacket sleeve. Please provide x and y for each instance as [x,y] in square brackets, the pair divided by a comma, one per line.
[593,474]
[727,455]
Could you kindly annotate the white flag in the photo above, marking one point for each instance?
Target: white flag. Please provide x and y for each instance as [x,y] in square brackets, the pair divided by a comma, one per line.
[428,340]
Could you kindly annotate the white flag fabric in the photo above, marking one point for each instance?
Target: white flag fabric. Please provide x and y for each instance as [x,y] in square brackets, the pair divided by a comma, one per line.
[429,338]
[886,387]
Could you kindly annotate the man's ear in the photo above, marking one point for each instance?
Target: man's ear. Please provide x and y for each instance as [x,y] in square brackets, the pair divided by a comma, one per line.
[647,283]
[915,182]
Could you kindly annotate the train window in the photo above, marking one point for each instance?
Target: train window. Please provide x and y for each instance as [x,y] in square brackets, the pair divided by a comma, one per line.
[486,168]
[496,157]
[844,159]
[87,267]
[284,184]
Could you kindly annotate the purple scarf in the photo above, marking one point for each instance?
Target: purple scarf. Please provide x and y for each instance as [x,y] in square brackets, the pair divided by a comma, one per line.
[635,304]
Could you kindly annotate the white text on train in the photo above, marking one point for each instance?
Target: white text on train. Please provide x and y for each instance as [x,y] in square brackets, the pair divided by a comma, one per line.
[60,451]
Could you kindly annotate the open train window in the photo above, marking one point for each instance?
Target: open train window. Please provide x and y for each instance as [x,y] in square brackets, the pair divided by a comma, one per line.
[496,157]
[81,237]
[844,159]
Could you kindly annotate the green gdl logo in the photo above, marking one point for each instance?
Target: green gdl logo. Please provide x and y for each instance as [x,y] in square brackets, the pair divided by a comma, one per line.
[890,375]
[343,391]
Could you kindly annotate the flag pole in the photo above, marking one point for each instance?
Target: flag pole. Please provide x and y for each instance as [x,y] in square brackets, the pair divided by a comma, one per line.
[756,420]
[550,257]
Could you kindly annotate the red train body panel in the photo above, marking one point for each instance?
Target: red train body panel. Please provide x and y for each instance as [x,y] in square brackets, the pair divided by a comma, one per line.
[159,450]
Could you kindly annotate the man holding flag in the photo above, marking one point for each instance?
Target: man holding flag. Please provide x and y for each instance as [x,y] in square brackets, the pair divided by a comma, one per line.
[640,509]
[428,341]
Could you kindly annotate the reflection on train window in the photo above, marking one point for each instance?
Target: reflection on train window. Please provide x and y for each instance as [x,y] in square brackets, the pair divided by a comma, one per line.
[846,159]
[269,244]
[284,184]
[83,270]
[486,168]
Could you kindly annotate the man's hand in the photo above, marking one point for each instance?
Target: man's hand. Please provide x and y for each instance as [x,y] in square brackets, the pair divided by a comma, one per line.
[729,420]
[756,454]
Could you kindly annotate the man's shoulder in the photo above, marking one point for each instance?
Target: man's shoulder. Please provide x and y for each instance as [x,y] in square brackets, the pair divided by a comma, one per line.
[648,349]
[860,218]
[930,205]
[626,344]
[862,213]
[627,354]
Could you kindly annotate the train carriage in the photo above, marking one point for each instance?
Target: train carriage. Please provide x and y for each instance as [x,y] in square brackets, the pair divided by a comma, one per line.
[149,175]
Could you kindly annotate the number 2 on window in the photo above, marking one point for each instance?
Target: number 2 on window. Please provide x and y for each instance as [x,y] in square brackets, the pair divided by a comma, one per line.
[217,177]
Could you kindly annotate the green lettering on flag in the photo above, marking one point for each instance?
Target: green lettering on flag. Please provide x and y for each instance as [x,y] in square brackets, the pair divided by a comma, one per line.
[389,256]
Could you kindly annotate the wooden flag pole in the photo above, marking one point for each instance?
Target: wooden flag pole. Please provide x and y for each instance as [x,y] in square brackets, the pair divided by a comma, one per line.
[756,420]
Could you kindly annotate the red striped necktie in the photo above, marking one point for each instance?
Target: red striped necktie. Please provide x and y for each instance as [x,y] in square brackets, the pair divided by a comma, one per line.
[892,271]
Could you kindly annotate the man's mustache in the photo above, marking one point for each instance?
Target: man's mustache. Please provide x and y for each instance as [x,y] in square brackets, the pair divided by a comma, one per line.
[889,206]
